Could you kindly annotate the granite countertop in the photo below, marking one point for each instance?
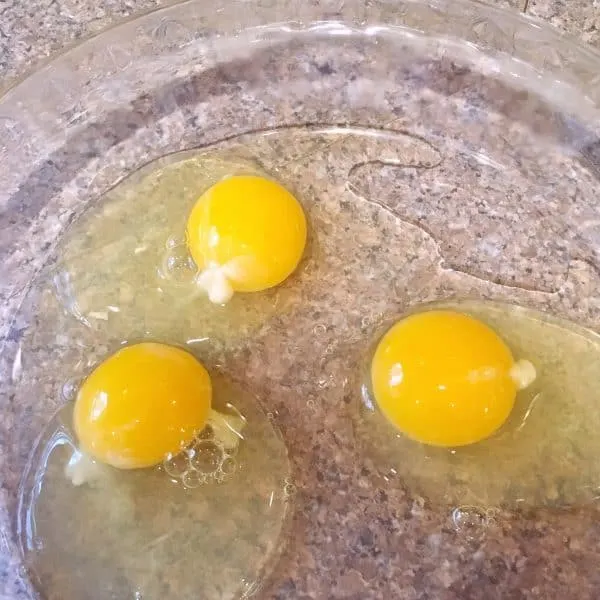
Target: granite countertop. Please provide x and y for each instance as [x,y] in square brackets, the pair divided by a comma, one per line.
[31,31]
[526,559]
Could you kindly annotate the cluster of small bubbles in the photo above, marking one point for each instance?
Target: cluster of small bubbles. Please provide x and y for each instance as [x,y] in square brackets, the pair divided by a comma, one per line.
[177,266]
[472,521]
[206,460]
[176,465]
[206,456]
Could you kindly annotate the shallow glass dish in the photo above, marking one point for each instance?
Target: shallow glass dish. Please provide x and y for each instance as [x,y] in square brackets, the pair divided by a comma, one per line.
[468,138]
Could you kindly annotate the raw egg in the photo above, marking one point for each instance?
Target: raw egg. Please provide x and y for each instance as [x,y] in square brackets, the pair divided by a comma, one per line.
[245,234]
[144,402]
[445,378]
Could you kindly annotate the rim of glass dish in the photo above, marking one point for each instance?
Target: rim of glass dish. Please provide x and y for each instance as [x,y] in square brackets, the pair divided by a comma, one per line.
[579,50]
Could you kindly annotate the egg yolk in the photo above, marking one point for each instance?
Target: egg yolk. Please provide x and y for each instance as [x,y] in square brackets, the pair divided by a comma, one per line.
[142,403]
[245,234]
[445,378]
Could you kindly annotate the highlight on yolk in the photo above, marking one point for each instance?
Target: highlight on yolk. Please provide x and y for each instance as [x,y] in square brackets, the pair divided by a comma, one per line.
[245,234]
[142,403]
[446,379]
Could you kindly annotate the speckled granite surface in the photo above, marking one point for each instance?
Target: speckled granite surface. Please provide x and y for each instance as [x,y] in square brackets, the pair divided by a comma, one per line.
[579,18]
[32,31]
[355,535]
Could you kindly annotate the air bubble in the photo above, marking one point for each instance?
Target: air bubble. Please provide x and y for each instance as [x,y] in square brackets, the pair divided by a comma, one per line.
[177,266]
[176,466]
[69,389]
[472,521]
[193,479]
[228,466]
[207,457]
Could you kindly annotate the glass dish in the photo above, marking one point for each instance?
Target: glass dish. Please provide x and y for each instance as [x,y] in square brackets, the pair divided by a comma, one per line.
[490,117]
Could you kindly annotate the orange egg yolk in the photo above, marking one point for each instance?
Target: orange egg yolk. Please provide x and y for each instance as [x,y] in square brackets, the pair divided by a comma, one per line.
[445,378]
[142,403]
[245,234]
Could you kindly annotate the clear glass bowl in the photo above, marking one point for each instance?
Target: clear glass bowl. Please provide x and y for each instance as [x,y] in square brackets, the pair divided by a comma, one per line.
[492,118]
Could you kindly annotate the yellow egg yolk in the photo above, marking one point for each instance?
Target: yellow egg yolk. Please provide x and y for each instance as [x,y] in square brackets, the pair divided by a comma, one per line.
[245,234]
[445,378]
[142,403]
